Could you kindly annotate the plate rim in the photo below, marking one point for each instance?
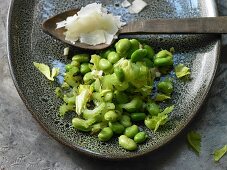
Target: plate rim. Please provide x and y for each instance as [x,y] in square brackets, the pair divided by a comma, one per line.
[85,151]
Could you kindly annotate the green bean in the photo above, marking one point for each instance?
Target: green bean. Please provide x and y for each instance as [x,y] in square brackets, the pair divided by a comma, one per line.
[108,96]
[165,86]
[113,57]
[111,116]
[84,68]
[82,125]
[116,127]
[140,137]
[153,108]
[122,46]
[105,134]
[104,64]
[125,121]
[150,51]
[127,143]
[134,105]
[119,73]
[138,116]
[131,131]
[81,58]
[138,55]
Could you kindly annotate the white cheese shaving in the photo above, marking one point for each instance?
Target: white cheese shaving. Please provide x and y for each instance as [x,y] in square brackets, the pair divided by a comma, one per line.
[91,25]
[137,6]
[125,4]
[66,51]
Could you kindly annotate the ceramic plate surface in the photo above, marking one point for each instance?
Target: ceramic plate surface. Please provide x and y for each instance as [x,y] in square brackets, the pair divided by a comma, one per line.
[27,43]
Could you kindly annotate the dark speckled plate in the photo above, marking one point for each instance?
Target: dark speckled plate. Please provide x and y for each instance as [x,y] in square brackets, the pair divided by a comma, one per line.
[27,43]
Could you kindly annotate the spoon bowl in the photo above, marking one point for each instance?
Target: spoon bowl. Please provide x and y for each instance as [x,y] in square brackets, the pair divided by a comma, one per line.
[205,25]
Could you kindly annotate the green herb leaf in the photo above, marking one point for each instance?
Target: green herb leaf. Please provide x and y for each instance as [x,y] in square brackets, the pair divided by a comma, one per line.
[45,69]
[181,71]
[154,122]
[194,139]
[161,97]
[219,153]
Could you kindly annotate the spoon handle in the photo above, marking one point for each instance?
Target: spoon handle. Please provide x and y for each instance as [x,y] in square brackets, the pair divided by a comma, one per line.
[206,25]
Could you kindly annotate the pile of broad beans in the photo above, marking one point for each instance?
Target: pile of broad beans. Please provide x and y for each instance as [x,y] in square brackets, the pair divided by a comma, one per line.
[110,93]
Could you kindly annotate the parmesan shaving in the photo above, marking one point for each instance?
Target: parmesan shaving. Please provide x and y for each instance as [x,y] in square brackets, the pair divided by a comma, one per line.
[137,6]
[125,4]
[91,25]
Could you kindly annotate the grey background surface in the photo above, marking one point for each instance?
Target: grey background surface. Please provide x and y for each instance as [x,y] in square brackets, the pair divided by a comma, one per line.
[25,145]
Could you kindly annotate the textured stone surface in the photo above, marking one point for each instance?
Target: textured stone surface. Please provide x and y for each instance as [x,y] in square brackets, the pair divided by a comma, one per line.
[24,145]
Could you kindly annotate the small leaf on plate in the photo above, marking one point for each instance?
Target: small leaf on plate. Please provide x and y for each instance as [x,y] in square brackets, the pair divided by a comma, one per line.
[194,140]
[219,153]
[45,69]
[181,71]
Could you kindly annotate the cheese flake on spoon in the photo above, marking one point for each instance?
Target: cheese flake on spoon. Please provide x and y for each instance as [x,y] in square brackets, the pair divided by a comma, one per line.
[91,25]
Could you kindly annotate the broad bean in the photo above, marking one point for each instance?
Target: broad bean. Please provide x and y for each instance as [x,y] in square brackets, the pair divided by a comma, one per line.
[138,116]
[81,58]
[138,55]
[104,64]
[131,131]
[123,46]
[111,116]
[113,57]
[153,108]
[140,137]
[84,68]
[116,127]
[105,134]
[127,143]
[119,73]
[125,121]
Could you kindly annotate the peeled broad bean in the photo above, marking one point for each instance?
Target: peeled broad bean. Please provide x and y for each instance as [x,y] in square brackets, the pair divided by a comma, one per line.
[138,116]
[150,51]
[84,68]
[104,64]
[122,46]
[165,87]
[82,125]
[126,121]
[135,45]
[116,127]
[113,57]
[138,55]
[131,131]
[140,137]
[119,73]
[88,78]
[163,58]
[105,134]
[127,143]
[153,108]
[111,116]
[108,96]
[81,58]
